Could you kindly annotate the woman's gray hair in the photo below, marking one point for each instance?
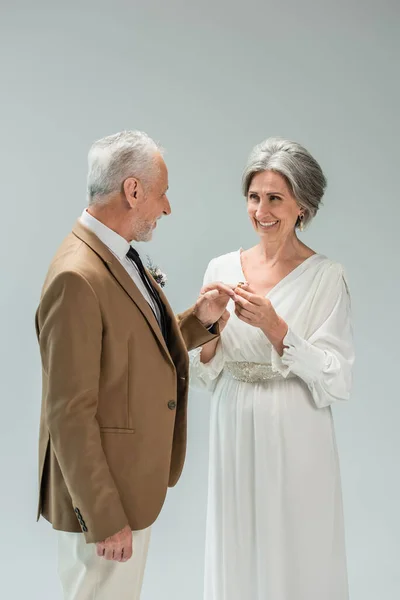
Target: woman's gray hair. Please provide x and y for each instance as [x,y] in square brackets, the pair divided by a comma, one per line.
[115,158]
[301,171]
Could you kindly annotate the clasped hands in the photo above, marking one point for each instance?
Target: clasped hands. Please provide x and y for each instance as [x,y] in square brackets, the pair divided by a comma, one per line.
[251,308]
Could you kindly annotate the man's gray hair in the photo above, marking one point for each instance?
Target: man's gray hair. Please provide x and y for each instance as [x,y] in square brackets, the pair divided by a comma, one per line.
[114,158]
[301,171]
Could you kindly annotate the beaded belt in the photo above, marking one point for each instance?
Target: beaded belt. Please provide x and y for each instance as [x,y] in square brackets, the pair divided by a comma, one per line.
[251,372]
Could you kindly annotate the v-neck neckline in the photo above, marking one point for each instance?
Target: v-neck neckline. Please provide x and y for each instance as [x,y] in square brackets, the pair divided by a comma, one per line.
[290,275]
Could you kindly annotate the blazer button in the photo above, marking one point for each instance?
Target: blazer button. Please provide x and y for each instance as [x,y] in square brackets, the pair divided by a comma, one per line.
[172,404]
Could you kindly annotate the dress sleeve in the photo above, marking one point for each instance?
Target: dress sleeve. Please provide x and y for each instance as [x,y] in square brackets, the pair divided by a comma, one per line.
[324,358]
[205,376]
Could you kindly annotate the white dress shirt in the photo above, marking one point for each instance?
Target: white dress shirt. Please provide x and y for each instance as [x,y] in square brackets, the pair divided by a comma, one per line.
[119,247]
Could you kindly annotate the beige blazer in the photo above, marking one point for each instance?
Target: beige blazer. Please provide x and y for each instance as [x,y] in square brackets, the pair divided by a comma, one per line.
[113,418]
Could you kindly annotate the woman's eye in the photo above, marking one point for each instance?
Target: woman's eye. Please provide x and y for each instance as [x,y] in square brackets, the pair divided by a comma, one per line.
[253,197]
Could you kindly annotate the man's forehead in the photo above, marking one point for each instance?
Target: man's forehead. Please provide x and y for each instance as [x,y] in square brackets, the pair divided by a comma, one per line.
[164,173]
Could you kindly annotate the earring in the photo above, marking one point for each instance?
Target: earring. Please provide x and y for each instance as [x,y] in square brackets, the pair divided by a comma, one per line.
[301,225]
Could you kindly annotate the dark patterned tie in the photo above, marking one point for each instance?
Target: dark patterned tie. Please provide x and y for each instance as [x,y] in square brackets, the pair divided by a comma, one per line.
[135,258]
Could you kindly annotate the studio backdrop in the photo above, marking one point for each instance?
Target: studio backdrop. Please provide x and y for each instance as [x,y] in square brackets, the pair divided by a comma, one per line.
[208,80]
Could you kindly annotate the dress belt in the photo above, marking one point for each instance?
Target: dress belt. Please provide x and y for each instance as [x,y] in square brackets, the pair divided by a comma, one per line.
[251,372]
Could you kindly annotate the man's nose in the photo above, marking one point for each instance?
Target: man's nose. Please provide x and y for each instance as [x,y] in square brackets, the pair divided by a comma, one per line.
[167,207]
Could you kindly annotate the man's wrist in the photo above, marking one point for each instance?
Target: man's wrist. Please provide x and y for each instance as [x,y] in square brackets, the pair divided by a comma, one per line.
[206,324]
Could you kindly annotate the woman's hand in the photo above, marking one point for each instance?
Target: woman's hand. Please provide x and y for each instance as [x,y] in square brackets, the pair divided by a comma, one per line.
[258,311]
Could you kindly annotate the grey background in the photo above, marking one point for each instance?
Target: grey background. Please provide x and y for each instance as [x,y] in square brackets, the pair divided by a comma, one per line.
[208,80]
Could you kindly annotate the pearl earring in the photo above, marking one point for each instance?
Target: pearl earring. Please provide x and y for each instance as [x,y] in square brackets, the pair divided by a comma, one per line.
[301,226]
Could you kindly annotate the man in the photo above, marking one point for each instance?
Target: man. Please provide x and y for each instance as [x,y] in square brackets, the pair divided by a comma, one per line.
[115,376]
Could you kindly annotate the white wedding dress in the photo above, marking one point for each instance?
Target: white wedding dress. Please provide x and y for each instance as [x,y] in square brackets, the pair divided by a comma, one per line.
[275,521]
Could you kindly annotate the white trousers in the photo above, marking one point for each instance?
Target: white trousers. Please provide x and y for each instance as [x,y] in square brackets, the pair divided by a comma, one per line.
[86,576]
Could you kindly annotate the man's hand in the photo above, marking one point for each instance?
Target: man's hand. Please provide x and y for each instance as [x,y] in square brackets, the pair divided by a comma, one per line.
[117,547]
[212,302]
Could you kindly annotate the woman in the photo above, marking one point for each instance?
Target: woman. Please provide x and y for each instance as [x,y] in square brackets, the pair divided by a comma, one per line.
[275,522]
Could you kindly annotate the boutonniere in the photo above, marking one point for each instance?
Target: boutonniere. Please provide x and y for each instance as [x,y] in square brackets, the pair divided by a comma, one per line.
[156,273]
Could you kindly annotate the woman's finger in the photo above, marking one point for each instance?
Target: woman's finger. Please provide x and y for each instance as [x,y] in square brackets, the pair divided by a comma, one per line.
[245,285]
[244,312]
[244,319]
[245,304]
[250,297]
[223,288]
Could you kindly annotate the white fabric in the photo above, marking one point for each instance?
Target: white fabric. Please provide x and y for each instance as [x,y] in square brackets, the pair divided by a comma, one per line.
[275,521]
[119,247]
[86,576]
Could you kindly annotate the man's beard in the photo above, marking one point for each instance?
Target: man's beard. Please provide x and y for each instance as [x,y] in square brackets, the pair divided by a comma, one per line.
[144,231]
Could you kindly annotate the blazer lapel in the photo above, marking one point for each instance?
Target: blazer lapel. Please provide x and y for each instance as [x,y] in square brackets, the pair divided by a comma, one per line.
[177,347]
[123,278]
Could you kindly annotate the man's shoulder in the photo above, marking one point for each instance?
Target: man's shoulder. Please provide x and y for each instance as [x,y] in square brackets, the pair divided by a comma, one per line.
[74,256]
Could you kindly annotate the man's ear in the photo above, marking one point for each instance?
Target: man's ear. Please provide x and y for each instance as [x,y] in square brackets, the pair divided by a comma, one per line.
[132,190]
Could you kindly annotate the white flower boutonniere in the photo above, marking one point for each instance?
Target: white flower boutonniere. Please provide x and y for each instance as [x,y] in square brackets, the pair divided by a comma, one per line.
[156,273]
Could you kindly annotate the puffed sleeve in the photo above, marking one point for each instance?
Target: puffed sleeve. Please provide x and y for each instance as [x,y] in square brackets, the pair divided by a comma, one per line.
[324,358]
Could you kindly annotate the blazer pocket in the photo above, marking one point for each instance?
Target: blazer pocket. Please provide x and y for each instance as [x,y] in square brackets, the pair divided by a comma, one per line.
[116,430]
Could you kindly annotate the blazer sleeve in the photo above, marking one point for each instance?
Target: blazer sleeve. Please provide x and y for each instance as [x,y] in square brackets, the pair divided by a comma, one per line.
[193,332]
[70,339]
